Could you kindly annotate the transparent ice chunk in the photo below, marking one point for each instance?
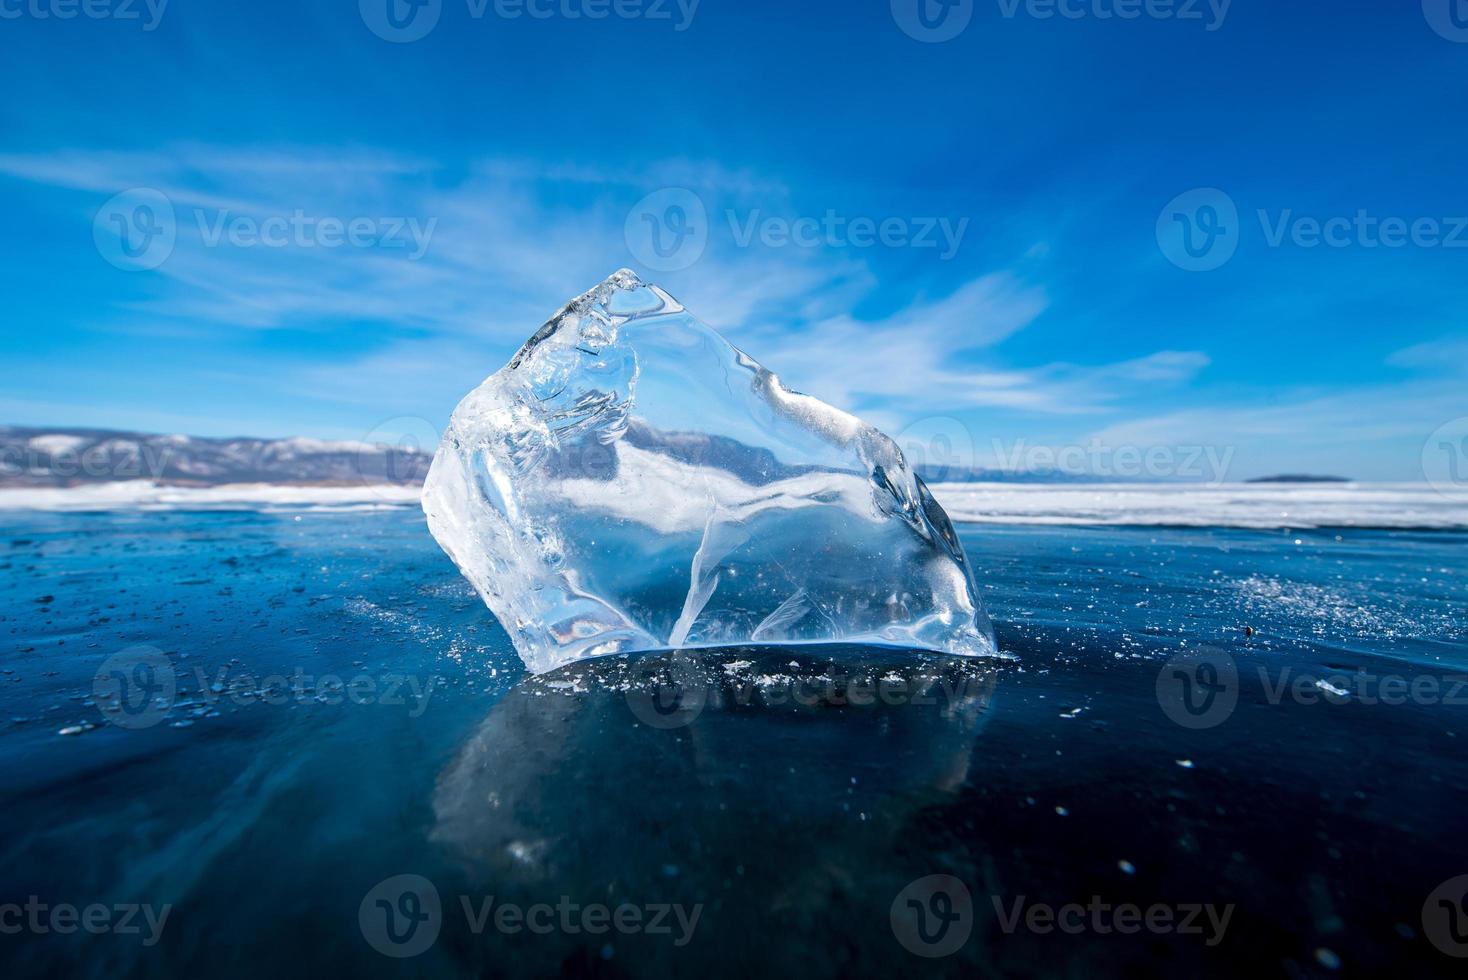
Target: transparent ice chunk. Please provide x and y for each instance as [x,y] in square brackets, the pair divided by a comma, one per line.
[631,481]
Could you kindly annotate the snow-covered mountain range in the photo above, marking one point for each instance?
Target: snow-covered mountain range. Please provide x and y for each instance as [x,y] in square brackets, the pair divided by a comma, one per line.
[56,457]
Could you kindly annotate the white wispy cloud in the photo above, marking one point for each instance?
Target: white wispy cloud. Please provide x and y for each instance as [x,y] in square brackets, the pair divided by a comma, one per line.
[1446,355]
[1384,428]
[923,357]
[507,247]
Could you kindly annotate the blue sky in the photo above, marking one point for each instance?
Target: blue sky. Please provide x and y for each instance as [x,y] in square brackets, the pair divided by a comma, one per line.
[1044,231]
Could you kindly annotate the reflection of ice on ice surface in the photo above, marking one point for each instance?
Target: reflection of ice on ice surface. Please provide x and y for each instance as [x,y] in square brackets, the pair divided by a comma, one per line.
[757,782]
[881,733]
[630,481]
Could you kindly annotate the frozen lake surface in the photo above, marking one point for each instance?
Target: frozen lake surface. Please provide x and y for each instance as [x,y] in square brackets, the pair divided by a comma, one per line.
[321,705]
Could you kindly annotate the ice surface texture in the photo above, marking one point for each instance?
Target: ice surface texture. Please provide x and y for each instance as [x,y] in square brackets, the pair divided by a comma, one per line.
[631,481]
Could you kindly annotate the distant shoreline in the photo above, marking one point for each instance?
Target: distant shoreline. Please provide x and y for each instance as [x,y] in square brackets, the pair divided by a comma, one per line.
[1258,506]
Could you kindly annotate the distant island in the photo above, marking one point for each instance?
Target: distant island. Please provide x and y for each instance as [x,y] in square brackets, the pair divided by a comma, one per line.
[1300,478]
